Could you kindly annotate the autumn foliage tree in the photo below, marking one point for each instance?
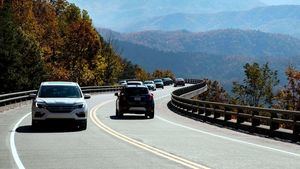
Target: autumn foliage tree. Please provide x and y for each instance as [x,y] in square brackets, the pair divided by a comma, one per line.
[54,40]
[162,74]
[215,92]
[289,97]
[257,89]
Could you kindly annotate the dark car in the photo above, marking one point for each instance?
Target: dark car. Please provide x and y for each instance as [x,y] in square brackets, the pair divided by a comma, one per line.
[135,99]
[158,83]
[179,82]
[167,81]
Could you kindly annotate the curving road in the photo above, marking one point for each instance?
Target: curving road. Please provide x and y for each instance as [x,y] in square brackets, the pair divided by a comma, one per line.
[167,141]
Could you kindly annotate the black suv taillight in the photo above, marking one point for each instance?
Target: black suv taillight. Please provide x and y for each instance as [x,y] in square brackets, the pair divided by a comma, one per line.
[150,96]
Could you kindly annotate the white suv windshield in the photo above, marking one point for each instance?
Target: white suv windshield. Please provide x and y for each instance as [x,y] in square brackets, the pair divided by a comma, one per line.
[60,92]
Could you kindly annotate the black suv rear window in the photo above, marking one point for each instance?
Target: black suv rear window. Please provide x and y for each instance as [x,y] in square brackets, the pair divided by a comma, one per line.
[136,91]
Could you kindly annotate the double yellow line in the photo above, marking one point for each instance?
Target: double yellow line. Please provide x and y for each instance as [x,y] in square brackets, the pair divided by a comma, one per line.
[141,145]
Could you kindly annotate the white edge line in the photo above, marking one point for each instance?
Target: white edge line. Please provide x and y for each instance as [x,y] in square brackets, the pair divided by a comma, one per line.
[224,137]
[13,145]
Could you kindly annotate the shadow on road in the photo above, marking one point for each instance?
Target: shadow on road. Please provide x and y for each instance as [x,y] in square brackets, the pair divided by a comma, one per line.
[47,129]
[129,117]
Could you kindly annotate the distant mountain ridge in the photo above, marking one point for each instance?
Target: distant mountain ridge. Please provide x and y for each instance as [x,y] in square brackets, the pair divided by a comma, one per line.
[228,42]
[120,14]
[218,55]
[274,19]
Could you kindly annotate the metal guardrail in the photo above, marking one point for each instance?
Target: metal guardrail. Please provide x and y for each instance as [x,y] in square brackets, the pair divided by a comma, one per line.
[10,98]
[271,122]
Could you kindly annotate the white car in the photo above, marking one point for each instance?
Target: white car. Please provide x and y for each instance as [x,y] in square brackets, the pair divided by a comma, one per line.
[59,101]
[150,84]
[135,82]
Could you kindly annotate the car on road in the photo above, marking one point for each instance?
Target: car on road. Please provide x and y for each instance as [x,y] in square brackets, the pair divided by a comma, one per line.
[158,83]
[59,101]
[150,84]
[135,99]
[122,82]
[167,81]
[135,82]
[179,82]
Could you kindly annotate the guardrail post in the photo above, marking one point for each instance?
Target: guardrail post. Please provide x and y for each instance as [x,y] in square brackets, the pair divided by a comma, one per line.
[239,119]
[296,128]
[254,122]
[273,125]
[227,117]
[207,112]
[216,114]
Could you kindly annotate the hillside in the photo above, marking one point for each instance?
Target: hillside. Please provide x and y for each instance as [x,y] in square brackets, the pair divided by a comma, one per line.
[200,65]
[275,19]
[230,42]
[120,14]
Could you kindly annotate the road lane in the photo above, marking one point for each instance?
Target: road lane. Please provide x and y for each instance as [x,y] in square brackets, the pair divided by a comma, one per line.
[80,149]
[199,147]
[168,132]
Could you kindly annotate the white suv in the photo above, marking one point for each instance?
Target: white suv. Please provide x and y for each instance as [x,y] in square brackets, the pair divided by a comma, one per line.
[60,101]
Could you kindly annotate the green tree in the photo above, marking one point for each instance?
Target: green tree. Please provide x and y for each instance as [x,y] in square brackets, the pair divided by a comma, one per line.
[128,70]
[257,89]
[113,62]
[20,56]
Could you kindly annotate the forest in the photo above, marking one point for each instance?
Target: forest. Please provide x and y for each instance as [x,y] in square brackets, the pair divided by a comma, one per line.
[54,40]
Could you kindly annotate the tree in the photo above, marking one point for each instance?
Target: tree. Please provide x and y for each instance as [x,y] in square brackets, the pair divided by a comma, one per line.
[258,86]
[162,74]
[129,70]
[20,56]
[289,97]
[113,62]
[141,74]
[215,92]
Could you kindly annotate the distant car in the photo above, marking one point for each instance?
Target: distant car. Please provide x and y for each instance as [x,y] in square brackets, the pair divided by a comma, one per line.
[122,82]
[135,99]
[59,101]
[179,82]
[134,83]
[167,81]
[158,83]
[150,84]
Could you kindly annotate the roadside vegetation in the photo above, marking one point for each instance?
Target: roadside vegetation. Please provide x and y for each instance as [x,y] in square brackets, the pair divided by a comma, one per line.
[259,88]
[55,40]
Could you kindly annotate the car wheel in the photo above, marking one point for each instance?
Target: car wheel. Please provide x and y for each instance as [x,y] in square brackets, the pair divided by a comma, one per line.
[83,125]
[36,124]
[119,114]
[151,115]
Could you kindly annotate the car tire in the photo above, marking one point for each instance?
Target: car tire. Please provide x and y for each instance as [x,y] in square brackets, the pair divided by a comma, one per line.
[151,115]
[83,125]
[119,114]
[36,124]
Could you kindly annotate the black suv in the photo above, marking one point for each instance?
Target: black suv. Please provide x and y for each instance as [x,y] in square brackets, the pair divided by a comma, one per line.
[135,99]
[167,81]
[179,82]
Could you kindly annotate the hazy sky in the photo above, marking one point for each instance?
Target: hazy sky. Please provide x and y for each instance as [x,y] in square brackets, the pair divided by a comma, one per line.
[279,2]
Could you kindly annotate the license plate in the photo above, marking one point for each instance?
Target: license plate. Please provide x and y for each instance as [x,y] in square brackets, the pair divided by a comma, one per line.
[137,98]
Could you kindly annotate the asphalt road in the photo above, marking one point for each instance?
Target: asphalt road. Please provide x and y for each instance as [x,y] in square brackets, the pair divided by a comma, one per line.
[167,141]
